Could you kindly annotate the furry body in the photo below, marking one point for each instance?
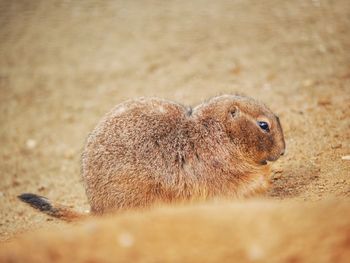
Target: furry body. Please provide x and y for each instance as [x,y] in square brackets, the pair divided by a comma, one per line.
[148,151]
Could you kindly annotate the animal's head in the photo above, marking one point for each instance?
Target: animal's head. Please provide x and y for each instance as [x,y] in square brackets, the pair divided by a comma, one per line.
[249,124]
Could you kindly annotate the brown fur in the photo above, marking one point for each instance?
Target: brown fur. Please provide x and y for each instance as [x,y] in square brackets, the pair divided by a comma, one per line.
[150,151]
[254,231]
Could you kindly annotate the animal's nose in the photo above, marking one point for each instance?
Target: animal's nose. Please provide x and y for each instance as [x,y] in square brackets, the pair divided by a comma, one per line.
[283,151]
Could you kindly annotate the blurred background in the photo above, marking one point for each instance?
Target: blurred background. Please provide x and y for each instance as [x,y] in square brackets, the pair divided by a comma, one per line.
[63,64]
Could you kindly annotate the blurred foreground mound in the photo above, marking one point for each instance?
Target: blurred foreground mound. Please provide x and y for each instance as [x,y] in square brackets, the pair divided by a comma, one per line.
[254,231]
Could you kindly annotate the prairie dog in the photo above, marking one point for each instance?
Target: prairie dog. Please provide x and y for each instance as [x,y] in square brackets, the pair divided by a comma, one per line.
[150,150]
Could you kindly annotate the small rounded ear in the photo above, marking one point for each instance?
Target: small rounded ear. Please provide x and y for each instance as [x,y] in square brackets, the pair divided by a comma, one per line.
[234,111]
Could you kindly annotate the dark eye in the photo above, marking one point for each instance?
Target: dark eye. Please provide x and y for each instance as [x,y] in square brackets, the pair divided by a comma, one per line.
[264,125]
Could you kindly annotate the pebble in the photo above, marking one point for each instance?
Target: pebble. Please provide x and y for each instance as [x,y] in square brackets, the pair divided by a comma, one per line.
[346,157]
[336,146]
[31,144]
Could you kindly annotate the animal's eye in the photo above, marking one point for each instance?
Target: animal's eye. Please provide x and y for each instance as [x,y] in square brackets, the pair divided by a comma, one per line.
[264,126]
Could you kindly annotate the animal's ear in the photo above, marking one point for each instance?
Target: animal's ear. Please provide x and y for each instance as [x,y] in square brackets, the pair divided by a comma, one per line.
[234,111]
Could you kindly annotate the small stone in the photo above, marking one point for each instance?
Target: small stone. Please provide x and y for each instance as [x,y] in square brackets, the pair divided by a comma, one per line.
[1,194]
[336,146]
[31,144]
[346,158]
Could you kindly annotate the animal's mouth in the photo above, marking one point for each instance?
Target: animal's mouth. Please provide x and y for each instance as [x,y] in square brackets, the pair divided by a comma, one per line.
[270,159]
[267,161]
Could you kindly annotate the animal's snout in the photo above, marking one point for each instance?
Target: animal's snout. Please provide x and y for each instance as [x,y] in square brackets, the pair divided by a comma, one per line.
[276,155]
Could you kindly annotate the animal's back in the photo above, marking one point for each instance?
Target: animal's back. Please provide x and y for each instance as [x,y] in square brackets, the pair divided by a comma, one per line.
[131,151]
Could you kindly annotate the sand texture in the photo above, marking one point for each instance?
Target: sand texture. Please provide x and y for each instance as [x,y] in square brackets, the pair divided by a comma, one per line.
[64,64]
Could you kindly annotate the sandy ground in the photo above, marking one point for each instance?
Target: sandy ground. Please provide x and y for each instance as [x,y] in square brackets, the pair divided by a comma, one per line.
[64,64]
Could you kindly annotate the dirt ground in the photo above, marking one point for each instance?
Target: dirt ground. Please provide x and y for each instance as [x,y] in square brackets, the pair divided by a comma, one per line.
[64,64]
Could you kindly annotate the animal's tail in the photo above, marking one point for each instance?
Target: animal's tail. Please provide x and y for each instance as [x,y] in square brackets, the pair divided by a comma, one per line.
[55,210]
